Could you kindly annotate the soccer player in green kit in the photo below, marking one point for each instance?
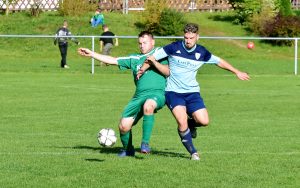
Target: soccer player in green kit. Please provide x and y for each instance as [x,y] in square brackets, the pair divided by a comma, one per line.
[149,95]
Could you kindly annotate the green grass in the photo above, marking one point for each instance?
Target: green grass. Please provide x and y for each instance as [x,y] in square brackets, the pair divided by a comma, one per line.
[49,117]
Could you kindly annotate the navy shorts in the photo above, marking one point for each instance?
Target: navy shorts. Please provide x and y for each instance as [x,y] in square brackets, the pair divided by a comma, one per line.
[192,101]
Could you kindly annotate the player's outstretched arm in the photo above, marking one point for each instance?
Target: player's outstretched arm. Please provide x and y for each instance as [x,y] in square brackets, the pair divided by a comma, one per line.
[241,75]
[104,58]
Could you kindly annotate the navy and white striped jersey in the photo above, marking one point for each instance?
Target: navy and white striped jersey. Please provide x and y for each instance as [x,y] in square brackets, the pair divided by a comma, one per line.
[184,64]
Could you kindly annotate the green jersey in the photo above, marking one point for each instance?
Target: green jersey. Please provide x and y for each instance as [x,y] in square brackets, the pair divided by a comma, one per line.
[151,81]
[99,17]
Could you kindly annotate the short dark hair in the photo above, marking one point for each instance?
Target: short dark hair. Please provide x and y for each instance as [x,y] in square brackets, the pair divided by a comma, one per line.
[191,28]
[143,33]
[104,26]
[65,22]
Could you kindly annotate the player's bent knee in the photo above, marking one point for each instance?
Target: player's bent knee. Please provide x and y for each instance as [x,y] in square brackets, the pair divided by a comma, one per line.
[149,107]
[182,125]
[124,129]
[203,123]
[125,126]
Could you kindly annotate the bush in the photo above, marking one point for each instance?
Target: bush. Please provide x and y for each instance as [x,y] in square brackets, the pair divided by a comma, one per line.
[259,20]
[296,12]
[171,23]
[152,13]
[75,7]
[244,9]
[285,8]
[282,26]
[160,20]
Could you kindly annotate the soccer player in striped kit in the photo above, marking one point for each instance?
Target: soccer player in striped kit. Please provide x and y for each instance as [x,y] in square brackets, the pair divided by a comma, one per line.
[183,91]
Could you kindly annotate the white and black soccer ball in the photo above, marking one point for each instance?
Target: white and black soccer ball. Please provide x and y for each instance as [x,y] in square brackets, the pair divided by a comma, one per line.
[107,137]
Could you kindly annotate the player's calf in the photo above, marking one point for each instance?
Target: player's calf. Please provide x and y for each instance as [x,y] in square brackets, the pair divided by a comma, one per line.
[192,127]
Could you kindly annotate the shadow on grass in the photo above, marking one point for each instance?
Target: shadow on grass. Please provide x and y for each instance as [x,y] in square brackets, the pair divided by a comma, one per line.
[116,150]
[169,154]
[95,160]
[223,18]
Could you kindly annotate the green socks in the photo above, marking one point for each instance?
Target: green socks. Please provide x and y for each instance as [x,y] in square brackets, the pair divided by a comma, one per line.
[148,123]
[126,140]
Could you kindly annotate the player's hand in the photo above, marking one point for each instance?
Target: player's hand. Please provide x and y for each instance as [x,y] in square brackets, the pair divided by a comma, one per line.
[243,76]
[85,52]
[140,74]
[150,59]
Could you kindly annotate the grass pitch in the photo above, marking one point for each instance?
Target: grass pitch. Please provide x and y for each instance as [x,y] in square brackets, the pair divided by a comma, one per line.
[50,117]
[49,124]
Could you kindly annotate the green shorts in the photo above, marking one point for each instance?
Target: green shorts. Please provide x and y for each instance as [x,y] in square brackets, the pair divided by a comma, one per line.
[135,106]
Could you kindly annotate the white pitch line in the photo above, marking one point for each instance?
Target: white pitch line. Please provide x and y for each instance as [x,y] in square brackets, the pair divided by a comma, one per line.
[45,153]
[252,153]
[206,152]
[99,89]
[251,75]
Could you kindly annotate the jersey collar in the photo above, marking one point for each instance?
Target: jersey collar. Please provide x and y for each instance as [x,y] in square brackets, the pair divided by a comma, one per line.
[188,50]
[151,52]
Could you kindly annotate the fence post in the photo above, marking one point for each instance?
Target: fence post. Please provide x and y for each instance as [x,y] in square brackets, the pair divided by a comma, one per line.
[7,7]
[296,56]
[125,7]
[192,5]
[93,49]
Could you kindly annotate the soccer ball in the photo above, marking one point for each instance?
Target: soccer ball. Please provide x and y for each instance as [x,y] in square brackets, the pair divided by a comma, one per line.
[107,137]
[250,45]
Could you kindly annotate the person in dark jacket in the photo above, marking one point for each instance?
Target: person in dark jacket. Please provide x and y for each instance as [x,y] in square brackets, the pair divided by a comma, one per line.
[61,37]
